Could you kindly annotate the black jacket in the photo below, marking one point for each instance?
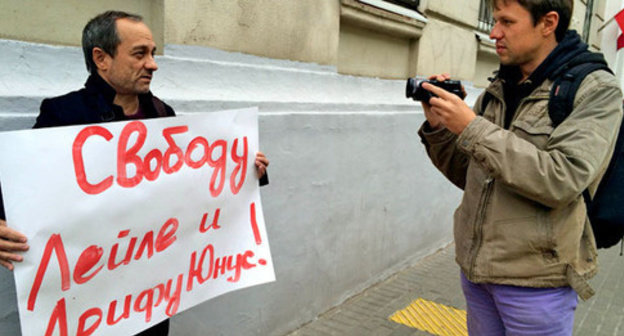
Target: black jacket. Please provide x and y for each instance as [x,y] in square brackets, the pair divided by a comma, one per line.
[94,104]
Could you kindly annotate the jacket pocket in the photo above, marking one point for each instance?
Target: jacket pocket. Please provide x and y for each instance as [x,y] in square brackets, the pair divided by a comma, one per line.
[536,133]
[520,243]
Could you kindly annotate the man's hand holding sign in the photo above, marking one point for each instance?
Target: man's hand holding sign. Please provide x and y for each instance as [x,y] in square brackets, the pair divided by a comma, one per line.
[11,243]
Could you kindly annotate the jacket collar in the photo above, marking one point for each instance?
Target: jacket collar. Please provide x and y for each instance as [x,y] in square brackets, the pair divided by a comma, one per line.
[104,95]
[97,85]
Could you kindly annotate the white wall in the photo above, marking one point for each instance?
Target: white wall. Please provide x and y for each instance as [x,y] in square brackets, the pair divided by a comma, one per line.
[611,31]
[352,198]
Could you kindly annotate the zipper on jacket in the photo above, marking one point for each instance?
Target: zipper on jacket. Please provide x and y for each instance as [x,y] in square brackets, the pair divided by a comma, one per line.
[478,226]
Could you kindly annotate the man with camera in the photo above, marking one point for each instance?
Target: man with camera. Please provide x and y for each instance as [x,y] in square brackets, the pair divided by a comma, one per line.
[522,238]
[119,54]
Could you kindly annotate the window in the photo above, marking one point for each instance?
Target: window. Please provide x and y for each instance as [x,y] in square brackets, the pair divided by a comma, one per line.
[589,12]
[402,7]
[486,21]
[411,4]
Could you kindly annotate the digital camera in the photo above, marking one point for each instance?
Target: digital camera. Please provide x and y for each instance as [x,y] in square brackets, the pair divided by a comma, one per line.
[415,90]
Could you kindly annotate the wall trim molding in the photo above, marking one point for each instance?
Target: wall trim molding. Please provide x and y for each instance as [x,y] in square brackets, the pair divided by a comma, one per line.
[367,16]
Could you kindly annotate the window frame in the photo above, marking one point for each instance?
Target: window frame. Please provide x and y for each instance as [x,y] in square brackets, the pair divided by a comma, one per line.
[589,12]
[486,19]
[409,4]
[388,6]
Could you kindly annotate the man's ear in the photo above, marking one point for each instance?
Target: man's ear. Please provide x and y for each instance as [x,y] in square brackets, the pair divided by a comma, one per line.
[550,22]
[100,58]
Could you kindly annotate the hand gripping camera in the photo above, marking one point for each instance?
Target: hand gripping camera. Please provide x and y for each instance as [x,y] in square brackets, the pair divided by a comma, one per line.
[415,90]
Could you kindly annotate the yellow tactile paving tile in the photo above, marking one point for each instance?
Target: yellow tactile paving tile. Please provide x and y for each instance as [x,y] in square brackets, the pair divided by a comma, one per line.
[434,318]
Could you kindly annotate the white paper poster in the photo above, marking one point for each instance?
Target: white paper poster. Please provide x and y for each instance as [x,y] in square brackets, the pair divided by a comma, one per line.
[132,222]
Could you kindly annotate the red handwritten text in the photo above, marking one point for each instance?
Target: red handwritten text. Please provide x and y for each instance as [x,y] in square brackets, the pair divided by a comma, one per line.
[144,302]
[217,266]
[90,260]
[197,154]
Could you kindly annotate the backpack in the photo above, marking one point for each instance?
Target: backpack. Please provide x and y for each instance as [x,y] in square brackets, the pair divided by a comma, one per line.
[606,209]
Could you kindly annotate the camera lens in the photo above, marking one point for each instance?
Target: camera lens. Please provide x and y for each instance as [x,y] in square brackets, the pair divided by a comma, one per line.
[410,88]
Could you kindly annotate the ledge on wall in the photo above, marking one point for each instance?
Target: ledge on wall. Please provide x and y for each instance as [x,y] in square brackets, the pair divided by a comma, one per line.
[199,79]
[385,20]
[486,44]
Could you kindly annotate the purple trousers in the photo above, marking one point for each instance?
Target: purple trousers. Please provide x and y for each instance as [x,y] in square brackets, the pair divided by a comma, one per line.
[499,310]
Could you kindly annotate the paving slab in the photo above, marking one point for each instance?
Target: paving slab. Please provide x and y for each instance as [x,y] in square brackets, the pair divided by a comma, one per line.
[436,278]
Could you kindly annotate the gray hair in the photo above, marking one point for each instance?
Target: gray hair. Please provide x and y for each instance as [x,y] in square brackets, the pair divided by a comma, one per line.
[101,32]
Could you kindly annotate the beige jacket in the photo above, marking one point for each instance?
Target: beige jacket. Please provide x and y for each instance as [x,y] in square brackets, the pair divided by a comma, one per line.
[522,218]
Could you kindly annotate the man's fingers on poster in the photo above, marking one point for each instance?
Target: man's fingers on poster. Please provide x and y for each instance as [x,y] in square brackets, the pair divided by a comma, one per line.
[6,264]
[10,241]
[6,259]
[261,164]
[6,233]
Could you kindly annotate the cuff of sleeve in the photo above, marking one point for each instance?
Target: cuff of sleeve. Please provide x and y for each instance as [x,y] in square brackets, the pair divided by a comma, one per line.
[432,136]
[469,137]
[264,180]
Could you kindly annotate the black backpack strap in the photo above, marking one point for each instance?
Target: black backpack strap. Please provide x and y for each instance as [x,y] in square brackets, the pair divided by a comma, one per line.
[567,81]
[487,97]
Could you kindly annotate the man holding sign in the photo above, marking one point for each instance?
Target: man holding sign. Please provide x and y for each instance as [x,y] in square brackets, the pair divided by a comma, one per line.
[119,54]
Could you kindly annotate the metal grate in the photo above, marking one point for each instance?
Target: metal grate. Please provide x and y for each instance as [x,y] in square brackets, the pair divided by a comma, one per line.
[486,21]
[589,12]
[434,318]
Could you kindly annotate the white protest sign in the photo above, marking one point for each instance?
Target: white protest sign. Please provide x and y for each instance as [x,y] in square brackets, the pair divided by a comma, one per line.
[132,222]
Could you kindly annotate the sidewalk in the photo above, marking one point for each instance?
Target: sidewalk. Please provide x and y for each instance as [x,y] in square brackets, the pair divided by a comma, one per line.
[436,279]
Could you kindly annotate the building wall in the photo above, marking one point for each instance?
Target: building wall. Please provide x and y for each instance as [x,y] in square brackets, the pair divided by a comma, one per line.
[330,89]
[377,43]
[357,37]
[462,12]
[578,16]
[609,33]
[486,64]
[447,48]
[445,41]
[61,22]
[361,51]
[302,30]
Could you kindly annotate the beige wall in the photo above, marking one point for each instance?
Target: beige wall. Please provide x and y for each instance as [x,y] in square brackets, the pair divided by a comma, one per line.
[447,48]
[61,22]
[377,43]
[304,30]
[367,53]
[462,11]
[487,62]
